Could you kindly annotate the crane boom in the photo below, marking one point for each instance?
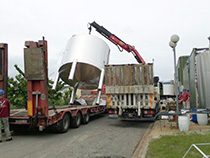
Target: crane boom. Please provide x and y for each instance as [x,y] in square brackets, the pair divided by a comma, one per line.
[117,41]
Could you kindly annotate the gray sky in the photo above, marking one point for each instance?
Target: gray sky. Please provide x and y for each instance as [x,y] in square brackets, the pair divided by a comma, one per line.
[145,24]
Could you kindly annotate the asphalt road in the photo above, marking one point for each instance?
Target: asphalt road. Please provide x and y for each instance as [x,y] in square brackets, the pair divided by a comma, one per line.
[101,138]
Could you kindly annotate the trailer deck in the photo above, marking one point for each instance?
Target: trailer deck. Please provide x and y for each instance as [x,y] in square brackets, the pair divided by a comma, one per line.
[55,114]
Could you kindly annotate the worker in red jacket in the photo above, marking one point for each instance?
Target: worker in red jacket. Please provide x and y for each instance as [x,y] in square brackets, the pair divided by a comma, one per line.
[4,116]
[186,99]
[180,98]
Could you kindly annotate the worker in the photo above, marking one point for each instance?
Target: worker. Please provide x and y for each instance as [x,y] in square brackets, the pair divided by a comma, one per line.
[186,99]
[4,116]
[180,99]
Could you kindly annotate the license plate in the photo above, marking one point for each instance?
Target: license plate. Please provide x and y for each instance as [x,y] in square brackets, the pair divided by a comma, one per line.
[114,116]
[21,121]
[130,115]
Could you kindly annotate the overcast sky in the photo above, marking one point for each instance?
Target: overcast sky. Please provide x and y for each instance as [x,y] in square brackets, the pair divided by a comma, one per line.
[145,24]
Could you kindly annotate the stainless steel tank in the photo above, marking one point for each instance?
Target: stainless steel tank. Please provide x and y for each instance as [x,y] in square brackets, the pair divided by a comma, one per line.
[83,61]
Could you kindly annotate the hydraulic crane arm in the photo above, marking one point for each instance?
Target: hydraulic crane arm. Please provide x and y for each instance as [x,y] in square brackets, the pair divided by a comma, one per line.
[118,42]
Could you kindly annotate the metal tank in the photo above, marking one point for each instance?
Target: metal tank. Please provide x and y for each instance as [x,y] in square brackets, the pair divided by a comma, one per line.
[83,63]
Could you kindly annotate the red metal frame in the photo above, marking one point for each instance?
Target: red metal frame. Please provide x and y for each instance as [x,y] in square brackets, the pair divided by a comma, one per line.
[4,67]
[39,86]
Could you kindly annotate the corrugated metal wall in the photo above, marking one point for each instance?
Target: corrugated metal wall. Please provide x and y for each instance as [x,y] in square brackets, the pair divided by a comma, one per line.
[189,78]
[129,75]
[203,73]
[179,69]
[193,80]
[196,75]
[133,78]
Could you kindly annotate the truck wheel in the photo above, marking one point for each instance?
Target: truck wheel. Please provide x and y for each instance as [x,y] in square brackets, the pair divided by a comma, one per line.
[64,123]
[76,121]
[86,118]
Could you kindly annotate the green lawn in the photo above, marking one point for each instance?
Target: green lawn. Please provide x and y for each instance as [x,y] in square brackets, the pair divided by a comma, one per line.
[177,146]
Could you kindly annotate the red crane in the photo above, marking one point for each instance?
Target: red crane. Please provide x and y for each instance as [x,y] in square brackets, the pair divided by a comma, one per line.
[117,41]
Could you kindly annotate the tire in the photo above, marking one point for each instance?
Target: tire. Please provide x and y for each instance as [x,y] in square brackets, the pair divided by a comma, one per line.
[76,121]
[64,124]
[86,118]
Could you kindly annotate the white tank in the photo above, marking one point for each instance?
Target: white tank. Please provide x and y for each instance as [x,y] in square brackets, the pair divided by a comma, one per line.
[168,87]
[83,61]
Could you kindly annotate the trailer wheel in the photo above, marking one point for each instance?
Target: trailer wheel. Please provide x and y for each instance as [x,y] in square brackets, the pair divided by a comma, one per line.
[64,123]
[76,121]
[86,118]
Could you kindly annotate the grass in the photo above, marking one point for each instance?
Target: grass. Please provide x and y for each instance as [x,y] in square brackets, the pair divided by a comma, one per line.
[177,146]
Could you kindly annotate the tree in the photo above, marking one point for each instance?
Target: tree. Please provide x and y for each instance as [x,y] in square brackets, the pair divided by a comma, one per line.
[17,91]
[57,98]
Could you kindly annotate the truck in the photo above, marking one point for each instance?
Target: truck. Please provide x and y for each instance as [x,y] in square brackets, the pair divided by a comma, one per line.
[38,113]
[132,91]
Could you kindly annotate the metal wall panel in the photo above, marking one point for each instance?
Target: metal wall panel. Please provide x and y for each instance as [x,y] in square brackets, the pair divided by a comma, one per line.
[196,75]
[179,69]
[129,75]
[192,79]
[34,64]
[203,73]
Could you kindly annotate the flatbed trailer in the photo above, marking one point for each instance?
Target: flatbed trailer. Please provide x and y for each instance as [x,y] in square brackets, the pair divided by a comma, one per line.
[39,114]
[61,117]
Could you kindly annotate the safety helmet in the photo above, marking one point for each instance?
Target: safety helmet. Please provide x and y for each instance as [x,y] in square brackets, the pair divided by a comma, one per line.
[1,92]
